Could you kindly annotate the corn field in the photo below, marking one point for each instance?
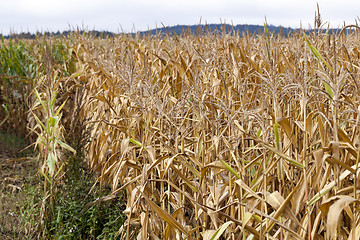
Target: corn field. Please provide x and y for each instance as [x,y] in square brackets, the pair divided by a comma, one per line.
[211,135]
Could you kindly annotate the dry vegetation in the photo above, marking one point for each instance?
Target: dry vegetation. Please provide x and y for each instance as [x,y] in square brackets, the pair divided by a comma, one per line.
[247,137]
[203,130]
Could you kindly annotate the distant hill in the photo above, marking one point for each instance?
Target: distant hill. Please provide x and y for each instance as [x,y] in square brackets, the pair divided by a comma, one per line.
[28,35]
[229,29]
[217,28]
[178,29]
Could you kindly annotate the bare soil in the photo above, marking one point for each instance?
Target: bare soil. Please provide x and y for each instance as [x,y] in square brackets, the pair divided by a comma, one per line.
[16,171]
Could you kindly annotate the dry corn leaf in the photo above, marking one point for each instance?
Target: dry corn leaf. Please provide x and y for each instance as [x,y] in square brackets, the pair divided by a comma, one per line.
[332,208]
[249,190]
[164,215]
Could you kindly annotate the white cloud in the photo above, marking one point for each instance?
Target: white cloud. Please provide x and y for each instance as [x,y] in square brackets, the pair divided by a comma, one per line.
[110,14]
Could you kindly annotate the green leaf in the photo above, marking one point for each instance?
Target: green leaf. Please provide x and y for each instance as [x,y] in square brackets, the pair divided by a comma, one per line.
[280,154]
[40,124]
[59,109]
[52,121]
[41,101]
[51,163]
[59,170]
[200,147]
[136,143]
[53,99]
[277,138]
[46,177]
[65,145]
[266,30]
[221,230]
[258,134]
[328,89]
[227,166]
[316,52]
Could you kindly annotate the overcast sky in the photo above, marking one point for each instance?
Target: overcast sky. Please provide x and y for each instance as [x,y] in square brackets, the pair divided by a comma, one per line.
[134,15]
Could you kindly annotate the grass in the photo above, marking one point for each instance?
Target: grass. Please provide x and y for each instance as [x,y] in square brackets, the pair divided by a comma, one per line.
[19,190]
[70,220]
[13,144]
[22,195]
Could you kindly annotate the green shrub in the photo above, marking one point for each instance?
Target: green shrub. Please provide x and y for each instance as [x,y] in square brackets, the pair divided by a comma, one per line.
[70,220]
